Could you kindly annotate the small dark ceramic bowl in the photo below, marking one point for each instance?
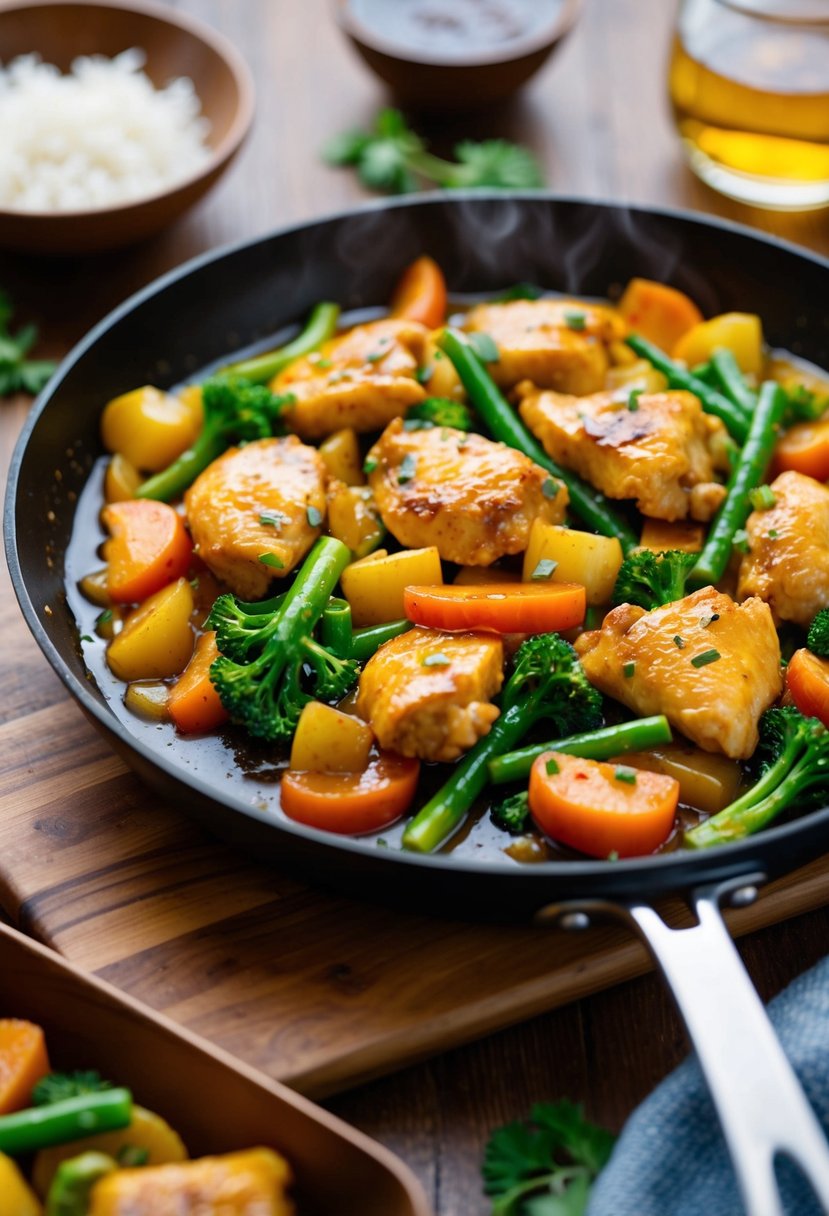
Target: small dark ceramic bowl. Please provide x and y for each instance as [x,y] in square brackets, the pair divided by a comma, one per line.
[175,45]
[478,77]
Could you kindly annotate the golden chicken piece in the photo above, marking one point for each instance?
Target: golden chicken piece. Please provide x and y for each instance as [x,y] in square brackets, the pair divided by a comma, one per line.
[663,453]
[250,1183]
[710,665]
[427,693]
[560,344]
[787,563]
[254,501]
[361,379]
[474,499]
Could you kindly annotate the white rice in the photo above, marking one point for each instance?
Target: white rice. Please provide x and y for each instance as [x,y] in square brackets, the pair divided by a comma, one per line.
[100,135]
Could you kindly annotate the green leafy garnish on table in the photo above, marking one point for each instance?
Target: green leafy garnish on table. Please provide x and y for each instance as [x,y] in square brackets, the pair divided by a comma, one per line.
[17,373]
[545,1165]
[393,158]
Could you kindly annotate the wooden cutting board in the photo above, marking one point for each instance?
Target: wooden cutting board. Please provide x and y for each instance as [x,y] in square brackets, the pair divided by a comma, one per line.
[316,990]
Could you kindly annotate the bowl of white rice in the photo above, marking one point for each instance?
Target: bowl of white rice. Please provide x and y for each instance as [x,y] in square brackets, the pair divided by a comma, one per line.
[114,118]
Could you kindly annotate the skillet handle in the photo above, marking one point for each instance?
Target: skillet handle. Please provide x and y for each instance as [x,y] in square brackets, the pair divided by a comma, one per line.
[761,1106]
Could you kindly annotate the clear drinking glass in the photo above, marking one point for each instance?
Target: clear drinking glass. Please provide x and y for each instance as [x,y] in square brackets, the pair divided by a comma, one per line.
[749,86]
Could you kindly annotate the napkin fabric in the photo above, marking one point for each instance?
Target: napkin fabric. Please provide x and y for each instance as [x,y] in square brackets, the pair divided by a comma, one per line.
[671,1159]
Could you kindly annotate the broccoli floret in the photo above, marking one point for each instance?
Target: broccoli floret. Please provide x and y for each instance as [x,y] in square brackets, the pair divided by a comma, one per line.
[441,411]
[512,814]
[235,411]
[651,579]
[58,1086]
[270,665]
[794,759]
[547,685]
[818,637]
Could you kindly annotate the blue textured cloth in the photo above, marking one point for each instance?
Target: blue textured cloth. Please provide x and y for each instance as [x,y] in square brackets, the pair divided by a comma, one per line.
[671,1158]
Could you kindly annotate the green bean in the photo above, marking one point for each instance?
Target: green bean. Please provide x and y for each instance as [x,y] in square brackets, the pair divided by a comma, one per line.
[505,424]
[713,402]
[364,642]
[320,326]
[602,744]
[726,369]
[335,626]
[38,1127]
[747,474]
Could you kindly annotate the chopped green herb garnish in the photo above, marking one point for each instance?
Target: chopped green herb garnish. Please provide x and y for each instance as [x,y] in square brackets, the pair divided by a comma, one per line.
[407,470]
[707,656]
[545,568]
[762,498]
[273,519]
[772,534]
[628,670]
[633,399]
[105,617]
[85,637]
[270,559]
[435,660]
[552,767]
[484,346]
[376,356]
[741,540]
[550,487]
[423,374]
[613,855]
[705,621]
[627,775]
[679,643]
[314,516]
[324,364]
[575,320]
[369,465]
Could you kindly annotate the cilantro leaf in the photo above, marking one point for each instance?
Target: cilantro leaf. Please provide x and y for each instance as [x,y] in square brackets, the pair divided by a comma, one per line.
[391,157]
[545,1165]
[17,373]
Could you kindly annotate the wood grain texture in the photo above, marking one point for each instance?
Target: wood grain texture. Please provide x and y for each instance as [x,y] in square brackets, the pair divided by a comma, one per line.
[310,987]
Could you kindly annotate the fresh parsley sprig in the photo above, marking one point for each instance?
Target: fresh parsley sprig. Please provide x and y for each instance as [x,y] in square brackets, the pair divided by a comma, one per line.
[393,158]
[545,1165]
[17,373]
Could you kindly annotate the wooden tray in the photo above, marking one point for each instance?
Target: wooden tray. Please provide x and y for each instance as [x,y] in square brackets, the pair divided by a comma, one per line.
[315,990]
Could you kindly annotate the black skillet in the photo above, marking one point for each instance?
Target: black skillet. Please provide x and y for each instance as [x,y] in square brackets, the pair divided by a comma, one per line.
[226,301]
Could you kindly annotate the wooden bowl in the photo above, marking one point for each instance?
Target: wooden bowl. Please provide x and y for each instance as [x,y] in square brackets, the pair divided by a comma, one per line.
[218,1104]
[434,81]
[175,45]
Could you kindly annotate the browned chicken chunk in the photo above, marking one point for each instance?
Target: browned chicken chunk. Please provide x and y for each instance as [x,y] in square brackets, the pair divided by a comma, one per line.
[361,379]
[787,563]
[559,344]
[475,499]
[663,453]
[254,501]
[427,693]
[710,665]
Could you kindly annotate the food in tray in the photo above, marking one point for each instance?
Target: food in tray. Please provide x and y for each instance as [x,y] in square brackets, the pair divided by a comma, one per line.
[72,1144]
[530,570]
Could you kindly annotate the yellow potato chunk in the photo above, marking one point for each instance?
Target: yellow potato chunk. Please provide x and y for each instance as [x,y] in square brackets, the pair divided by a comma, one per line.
[157,638]
[16,1196]
[147,1130]
[580,557]
[353,518]
[341,453]
[148,699]
[149,428]
[328,741]
[739,332]
[374,586]
[707,781]
[121,480]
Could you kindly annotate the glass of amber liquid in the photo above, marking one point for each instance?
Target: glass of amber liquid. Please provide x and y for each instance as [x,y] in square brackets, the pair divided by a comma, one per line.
[749,86]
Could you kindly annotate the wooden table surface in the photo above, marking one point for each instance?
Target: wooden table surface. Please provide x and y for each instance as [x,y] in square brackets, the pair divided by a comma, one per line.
[598,118]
